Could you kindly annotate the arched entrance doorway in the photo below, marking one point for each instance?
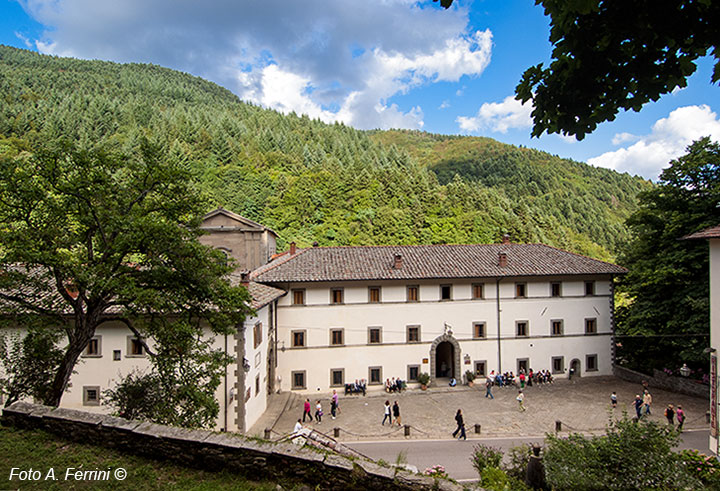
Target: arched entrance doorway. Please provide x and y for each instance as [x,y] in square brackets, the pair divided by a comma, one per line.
[445,357]
[574,369]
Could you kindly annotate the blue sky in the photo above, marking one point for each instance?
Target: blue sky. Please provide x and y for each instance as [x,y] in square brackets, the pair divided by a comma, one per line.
[370,64]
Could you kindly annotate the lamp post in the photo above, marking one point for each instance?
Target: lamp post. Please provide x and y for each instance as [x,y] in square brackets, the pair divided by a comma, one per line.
[684,370]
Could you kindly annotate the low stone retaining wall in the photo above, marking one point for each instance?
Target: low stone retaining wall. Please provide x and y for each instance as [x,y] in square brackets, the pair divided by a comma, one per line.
[662,380]
[254,459]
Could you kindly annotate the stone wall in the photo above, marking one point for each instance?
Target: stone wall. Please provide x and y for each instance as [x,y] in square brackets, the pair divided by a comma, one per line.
[254,459]
[662,380]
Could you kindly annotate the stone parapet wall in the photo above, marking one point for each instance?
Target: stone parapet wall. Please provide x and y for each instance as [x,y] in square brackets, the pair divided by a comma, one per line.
[662,380]
[207,450]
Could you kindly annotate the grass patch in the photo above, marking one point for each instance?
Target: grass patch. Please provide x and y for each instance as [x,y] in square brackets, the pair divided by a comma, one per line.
[42,451]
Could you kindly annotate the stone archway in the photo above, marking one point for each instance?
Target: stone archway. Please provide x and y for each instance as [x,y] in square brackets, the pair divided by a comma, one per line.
[574,369]
[450,350]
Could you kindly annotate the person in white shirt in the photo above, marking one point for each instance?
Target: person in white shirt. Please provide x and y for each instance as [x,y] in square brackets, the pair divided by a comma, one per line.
[298,426]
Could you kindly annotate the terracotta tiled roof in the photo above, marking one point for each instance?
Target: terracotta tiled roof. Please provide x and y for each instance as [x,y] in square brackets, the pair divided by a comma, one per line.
[708,233]
[428,262]
[263,294]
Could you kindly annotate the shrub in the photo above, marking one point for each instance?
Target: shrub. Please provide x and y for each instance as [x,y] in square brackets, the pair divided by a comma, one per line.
[424,378]
[484,456]
[519,457]
[470,375]
[703,467]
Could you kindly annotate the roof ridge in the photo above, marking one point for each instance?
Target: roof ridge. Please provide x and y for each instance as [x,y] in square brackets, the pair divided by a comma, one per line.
[255,273]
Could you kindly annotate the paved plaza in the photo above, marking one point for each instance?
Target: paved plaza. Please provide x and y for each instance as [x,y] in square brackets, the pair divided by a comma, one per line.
[582,406]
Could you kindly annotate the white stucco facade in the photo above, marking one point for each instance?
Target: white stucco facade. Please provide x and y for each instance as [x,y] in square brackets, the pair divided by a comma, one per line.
[715,325]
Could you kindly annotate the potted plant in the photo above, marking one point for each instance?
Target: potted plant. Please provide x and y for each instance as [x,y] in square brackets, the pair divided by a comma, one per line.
[424,379]
[470,377]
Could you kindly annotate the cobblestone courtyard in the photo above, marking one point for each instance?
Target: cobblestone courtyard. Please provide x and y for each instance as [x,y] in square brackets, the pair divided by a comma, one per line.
[582,406]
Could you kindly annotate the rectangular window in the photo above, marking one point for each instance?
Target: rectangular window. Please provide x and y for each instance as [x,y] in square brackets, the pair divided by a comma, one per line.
[412,293]
[445,292]
[520,290]
[412,372]
[337,377]
[374,335]
[374,294]
[298,339]
[375,375]
[591,364]
[589,288]
[257,334]
[135,347]
[477,291]
[413,334]
[94,348]
[257,385]
[480,367]
[298,297]
[521,328]
[558,364]
[336,295]
[298,379]
[556,327]
[336,337]
[478,330]
[91,396]
[555,290]
[590,326]
[117,355]
[522,365]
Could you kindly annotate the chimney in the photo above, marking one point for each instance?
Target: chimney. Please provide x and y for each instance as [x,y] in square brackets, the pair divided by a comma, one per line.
[292,248]
[397,264]
[506,239]
[315,244]
[245,278]
[502,259]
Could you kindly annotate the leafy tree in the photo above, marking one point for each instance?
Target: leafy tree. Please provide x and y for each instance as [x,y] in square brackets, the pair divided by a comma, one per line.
[91,237]
[667,284]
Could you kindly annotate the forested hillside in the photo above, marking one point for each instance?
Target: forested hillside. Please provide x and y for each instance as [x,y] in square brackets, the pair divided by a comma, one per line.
[312,181]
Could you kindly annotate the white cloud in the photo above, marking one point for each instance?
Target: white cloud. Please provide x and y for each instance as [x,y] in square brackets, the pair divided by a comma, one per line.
[668,140]
[306,56]
[498,116]
[624,137]
[444,105]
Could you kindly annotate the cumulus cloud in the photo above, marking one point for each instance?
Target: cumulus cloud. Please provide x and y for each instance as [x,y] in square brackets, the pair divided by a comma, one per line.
[340,60]
[498,116]
[668,140]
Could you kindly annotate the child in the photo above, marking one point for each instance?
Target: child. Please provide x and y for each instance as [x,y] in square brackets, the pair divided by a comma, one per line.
[613,400]
[520,398]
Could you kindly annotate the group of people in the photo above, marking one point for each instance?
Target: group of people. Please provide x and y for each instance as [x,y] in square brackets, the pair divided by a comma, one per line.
[357,387]
[522,379]
[642,406]
[394,385]
[307,410]
[392,412]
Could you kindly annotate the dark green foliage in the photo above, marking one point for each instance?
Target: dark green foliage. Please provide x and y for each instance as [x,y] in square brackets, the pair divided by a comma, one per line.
[610,56]
[629,456]
[311,181]
[667,288]
[706,468]
[484,456]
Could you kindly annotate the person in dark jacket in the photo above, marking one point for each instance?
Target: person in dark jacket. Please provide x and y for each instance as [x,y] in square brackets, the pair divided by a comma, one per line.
[460,425]
[396,414]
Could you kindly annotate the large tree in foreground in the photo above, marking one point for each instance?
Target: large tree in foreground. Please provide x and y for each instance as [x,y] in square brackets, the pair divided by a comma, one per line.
[666,319]
[89,237]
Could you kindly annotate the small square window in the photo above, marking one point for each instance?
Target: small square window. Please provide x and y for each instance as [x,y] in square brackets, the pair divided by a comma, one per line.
[558,364]
[298,339]
[445,292]
[91,396]
[556,327]
[520,290]
[374,294]
[591,363]
[480,367]
[375,375]
[412,372]
[555,289]
[412,293]
[522,365]
[298,379]
[257,334]
[94,348]
[336,337]
[477,291]
[589,288]
[117,355]
[374,335]
[336,295]
[521,328]
[478,330]
[298,297]
[590,326]
[337,377]
[413,334]
[135,347]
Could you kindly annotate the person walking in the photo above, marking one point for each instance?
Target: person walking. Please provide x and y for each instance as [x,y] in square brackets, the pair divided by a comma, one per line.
[333,408]
[613,400]
[396,414]
[670,414]
[680,414]
[306,411]
[647,401]
[488,389]
[638,405]
[336,400]
[388,413]
[318,412]
[521,399]
[460,425]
